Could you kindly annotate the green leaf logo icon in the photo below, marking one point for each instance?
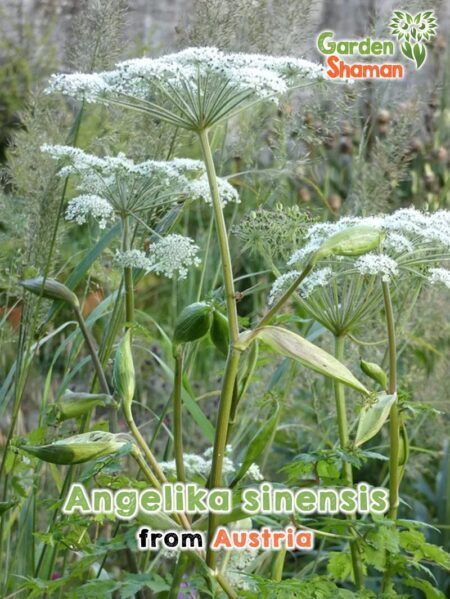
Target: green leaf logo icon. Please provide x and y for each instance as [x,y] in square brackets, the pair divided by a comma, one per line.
[414,31]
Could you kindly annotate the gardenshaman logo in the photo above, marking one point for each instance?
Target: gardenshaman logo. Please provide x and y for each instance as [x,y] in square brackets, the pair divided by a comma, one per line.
[411,32]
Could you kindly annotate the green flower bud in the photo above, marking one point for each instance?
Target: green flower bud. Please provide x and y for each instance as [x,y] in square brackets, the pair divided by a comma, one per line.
[124,379]
[51,289]
[353,241]
[79,448]
[219,332]
[72,405]
[193,323]
[375,372]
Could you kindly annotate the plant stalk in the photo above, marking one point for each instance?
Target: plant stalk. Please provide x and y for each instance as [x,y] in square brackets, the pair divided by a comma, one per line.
[394,419]
[178,416]
[127,277]
[394,425]
[284,298]
[339,394]
[231,367]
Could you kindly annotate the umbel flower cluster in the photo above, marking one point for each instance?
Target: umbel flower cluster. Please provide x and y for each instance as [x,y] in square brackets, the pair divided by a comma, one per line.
[412,242]
[103,181]
[170,256]
[199,466]
[255,74]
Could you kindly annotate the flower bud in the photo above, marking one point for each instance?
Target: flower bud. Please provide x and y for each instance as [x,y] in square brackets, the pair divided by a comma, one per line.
[79,448]
[123,374]
[219,332]
[193,323]
[51,289]
[353,241]
[375,372]
[72,405]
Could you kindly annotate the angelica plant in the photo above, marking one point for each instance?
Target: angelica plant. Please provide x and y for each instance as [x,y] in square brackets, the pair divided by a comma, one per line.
[347,291]
[196,89]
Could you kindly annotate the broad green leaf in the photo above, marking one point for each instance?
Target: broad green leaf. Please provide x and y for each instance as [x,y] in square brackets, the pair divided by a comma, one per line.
[373,416]
[293,346]
[258,444]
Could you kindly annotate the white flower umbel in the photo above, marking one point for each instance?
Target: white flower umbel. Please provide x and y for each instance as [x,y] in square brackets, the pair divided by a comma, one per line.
[377,264]
[318,278]
[282,283]
[174,254]
[410,235]
[199,189]
[194,88]
[439,276]
[200,466]
[79,209]
[100,176]
[133,259]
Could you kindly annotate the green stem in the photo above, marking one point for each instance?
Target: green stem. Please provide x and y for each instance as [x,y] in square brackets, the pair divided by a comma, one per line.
[178,416]
[278,565]
[222,238]
[394,422]
[180,569]
[339,394]
[231,368]
[113,424]
[220,440]
[127,276]
[143,445]
[284,298]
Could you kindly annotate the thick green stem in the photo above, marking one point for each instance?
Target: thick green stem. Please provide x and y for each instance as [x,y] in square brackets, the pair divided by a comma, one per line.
[178,416]
[339,394]
[394,419]
[278,565]
[222,236]
[127,276]
[180,569]
[231,368]
[394,425]
[220,440]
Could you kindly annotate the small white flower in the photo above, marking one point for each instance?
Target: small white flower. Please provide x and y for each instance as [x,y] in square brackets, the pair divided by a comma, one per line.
[439,276]
[281,284]
[174,254]
[377,264]
[318,278]
[79,209]
[133,259]
[199,189]
[254,473]
[398,243]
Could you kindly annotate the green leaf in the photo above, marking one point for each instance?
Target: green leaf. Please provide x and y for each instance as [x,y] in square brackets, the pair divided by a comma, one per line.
[414,542]
[258,444]
[340,565]
[373,416]
[291,345]
[428,589]
[420,53]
